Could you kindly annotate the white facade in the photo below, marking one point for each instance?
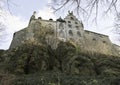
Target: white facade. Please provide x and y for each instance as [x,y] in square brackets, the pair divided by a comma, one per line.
[67,29]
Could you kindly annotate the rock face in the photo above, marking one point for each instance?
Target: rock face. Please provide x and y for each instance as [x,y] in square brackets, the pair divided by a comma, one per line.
[33,63]
[69,29]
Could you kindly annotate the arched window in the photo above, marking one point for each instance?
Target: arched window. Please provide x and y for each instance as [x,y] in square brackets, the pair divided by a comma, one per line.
[78,33]
[50,29]
[37,25]
[70,33]
[50,26]
[70,26]
[77,27]
[61,26]
[62,34]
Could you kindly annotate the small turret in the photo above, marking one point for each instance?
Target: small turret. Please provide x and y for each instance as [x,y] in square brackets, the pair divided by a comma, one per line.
[32,17]
[39,17]
[70,13]
[60,20]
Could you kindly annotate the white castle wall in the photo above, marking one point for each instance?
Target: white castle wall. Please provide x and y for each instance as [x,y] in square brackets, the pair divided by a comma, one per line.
[98,43]
[67,29]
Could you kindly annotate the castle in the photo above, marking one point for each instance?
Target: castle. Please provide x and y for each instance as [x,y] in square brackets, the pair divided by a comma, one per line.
[67,29]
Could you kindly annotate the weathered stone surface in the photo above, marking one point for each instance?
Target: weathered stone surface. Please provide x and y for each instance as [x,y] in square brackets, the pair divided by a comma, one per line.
[69,29]
[64,65]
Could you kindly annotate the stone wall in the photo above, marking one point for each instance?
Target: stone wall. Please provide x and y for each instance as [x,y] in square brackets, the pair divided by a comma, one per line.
[117,48]
[67,29]
[18,38]
[98,43]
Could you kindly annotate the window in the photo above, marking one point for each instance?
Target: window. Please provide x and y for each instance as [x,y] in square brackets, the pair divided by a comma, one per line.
[76,22]
[61,26]
[69,21]
[78,33]
[70,33]
[61,33]
[50,26]
[104,41]
[94,39]
[70,26]
[37,26]
[50,29]
[71,18]
[77,27]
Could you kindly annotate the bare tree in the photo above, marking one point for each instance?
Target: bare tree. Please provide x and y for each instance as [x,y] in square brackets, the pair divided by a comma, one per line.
[3,13]
[87,7]
[117,23]
[91,9]
[117,26]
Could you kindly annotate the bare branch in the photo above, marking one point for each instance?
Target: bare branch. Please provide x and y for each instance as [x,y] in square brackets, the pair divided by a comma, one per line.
[88,6]
[62,6]
[8,7]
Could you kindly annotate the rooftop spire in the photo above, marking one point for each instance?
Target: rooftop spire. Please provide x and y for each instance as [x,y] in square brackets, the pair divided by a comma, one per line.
[34,13]
[70,12]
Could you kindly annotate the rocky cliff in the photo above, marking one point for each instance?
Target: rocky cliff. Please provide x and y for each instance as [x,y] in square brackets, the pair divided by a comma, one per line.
[40,64]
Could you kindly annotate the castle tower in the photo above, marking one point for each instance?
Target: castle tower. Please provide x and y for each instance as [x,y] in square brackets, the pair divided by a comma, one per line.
[74,29]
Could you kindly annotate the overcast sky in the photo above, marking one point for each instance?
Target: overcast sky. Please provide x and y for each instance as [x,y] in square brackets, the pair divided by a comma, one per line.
[21,11]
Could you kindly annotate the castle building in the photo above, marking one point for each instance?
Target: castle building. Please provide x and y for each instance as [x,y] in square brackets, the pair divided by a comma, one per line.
[67,29]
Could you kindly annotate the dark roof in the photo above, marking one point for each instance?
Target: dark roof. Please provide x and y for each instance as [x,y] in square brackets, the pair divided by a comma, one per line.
[60,20]
[96,33]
